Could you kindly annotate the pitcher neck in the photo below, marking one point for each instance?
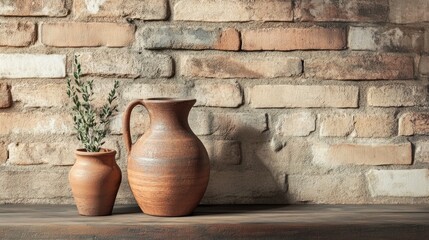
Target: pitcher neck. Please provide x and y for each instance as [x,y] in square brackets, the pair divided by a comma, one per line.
[169,114]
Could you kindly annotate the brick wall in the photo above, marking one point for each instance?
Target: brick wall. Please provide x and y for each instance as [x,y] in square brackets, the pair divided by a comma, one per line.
[315,101]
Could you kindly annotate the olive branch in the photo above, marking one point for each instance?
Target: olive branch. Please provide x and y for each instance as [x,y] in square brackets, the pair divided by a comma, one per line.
[90,123]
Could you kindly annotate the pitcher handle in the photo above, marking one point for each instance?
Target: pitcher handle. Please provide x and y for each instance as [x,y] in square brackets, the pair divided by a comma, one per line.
[126,123]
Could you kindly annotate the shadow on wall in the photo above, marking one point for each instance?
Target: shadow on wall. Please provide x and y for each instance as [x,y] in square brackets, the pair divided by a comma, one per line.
[239,175]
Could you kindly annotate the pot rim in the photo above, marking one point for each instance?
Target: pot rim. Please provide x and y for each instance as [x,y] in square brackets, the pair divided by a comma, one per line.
[105,151]
[168,100]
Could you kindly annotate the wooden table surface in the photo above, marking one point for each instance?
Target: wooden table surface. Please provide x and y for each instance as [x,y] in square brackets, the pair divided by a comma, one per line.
[220,222]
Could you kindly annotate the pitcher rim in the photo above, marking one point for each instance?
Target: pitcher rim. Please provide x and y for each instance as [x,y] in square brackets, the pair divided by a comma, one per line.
[168,100]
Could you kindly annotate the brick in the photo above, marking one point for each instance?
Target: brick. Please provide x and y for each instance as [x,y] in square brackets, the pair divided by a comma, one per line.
[389,39]
[237,125]
[398,183]
[239,66]
[133,65]
[139,123]
[285,39]
[223,152]
[176,37]
[356,66]
[414,124]
[343,11]
[29,186]
[424,65]
[200,122]
[250,187]
[35,123]
[56,154]
[67,34]
[422,152]
[51,8]
[336,125]
[134,9]
[3,153]
[287,124]
[32,66]
[233,11]
[218,94]
[5,97]
[332,188]
[37,95]
[296,96]
[17,34]
[397,96]
[426,41]
[139,91]
[374,125]
[409,11]
[361,154]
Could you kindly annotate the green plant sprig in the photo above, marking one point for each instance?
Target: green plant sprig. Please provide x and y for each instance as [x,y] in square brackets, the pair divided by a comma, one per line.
[90,123]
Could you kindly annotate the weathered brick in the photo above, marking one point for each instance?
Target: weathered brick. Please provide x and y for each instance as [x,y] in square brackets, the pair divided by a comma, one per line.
[414,123]
[295,96]
[32,66]
[134,9]
[131,65]
[37,95]
[175,37]
[397,96]
[5,97]
[336,125]
[52,8]
[223,152]
[356,66]
[374,125]
[398,183]
[68,34]
[424,65]
[422,152]
[344,11]
[409,11]
[3,153]
[360,154]
[386,39]
[218,94]
[138,125]
[29,186]
[200,122]
[35,123]
[139,91]
[240,66]
[236,125]
[287,124]
[17,34]
[233,11]
[426,41]
[332,188]
[57,154]
[285,39]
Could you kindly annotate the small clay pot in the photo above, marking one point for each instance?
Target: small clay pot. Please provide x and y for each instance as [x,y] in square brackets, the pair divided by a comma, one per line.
[94,179]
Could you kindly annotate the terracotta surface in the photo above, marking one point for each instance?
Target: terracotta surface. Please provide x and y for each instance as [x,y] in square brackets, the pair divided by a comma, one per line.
[95,180]
[168,167]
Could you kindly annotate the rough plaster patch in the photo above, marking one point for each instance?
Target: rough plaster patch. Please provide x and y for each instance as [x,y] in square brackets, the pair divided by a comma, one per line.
[93,6]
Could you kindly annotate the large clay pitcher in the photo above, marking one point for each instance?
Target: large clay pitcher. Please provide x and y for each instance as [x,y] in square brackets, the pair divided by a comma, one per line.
[168,167]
